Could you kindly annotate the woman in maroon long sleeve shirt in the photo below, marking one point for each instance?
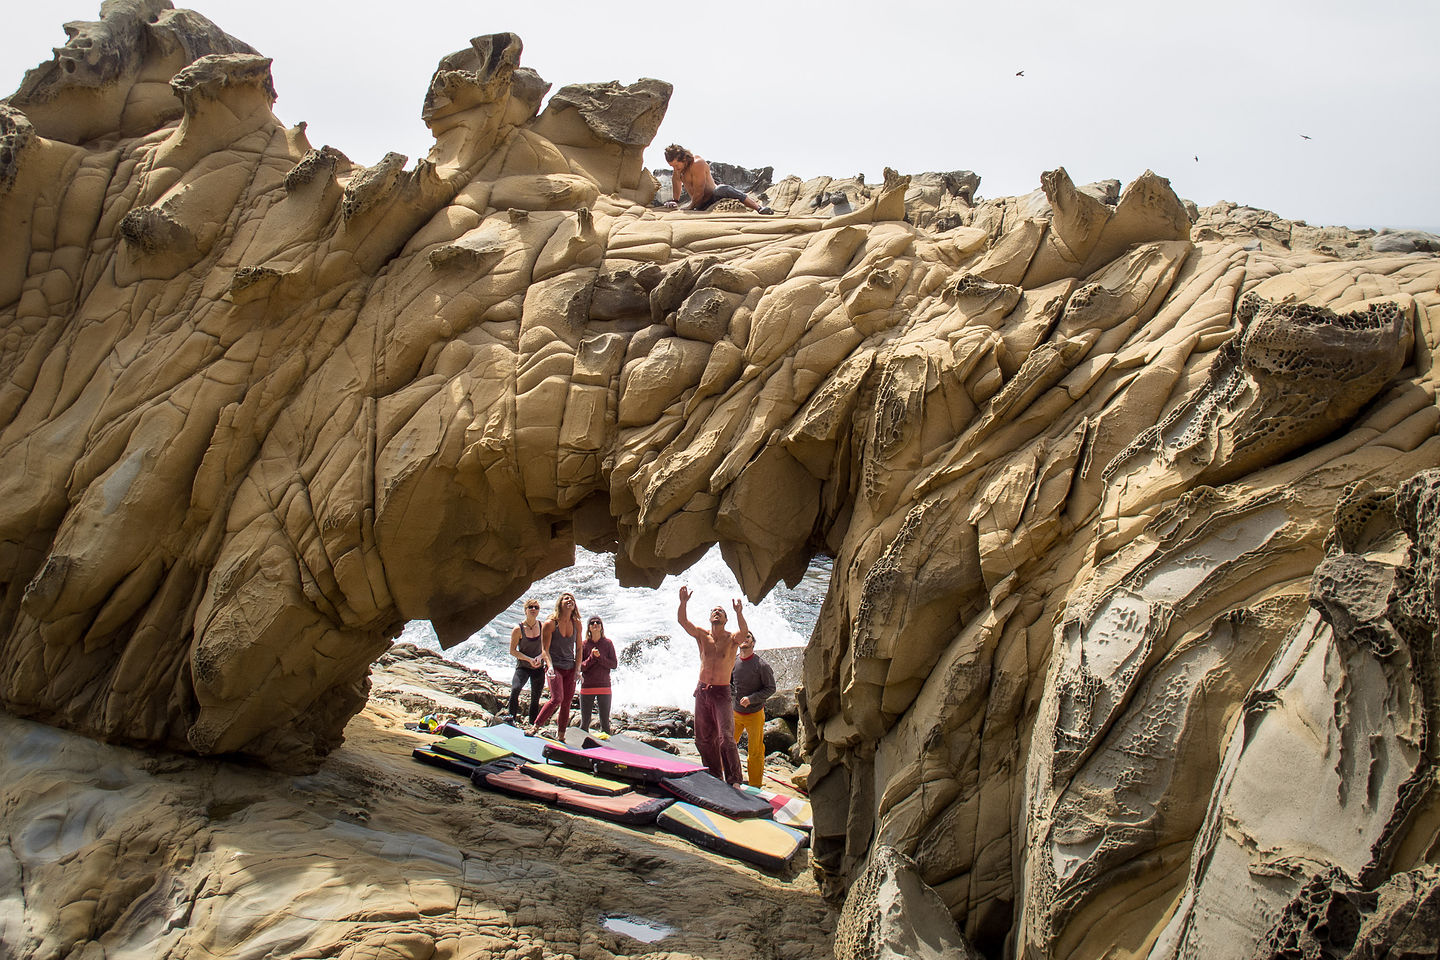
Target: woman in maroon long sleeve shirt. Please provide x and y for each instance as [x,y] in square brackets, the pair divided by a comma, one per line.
[597,659]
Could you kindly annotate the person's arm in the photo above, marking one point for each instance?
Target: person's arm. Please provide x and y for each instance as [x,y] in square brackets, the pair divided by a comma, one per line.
[515,645]
[608,657]
[742,627]
[767,684]
[685,623]
[677,186]
[546,631]
[578,633]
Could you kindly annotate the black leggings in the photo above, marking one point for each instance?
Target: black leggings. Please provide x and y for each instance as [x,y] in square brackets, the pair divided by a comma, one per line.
[536,677]
[589,700]
[723,191]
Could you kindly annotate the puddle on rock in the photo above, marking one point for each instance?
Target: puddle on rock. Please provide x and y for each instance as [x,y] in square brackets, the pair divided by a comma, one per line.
[646,931]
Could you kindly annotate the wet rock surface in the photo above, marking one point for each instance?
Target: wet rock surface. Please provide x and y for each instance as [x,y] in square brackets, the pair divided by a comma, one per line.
[636,651]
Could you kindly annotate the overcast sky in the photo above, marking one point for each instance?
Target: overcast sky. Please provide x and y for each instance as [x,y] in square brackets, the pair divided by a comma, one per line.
[1109,89]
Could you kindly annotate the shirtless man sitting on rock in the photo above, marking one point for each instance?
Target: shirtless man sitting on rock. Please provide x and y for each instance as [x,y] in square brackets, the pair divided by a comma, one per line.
[693,173]
[714,723]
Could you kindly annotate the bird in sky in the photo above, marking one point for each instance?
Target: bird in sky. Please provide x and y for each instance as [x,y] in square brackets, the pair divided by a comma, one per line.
[1019,73]
[1197,158]
[1303,137]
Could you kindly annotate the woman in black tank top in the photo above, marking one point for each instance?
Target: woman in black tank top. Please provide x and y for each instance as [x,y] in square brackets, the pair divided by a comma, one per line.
[526,646]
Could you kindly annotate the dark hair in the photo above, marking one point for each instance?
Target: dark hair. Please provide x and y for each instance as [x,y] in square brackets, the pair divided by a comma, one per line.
[594,621]
[676,152]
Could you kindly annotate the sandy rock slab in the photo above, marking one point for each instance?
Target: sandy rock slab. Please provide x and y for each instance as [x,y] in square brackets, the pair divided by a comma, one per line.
[113,852]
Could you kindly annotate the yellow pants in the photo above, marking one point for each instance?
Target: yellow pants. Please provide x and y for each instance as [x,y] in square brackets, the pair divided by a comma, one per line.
[754,725]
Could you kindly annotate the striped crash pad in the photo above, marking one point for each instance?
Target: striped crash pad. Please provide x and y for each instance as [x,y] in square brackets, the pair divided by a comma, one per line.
[791,811]
[765,843]
[630,808]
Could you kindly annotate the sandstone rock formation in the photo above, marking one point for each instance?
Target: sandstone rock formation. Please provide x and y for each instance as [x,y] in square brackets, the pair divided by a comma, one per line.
[890,914]
[1123,507]
[117,853]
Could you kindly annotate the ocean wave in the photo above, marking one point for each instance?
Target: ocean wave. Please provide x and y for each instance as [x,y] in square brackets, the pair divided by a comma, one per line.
[666,672]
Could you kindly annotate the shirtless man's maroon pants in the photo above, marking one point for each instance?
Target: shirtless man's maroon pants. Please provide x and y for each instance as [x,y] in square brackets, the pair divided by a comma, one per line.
[715,732]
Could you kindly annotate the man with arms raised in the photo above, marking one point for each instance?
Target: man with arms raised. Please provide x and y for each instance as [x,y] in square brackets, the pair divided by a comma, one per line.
[693,173]
[714,722]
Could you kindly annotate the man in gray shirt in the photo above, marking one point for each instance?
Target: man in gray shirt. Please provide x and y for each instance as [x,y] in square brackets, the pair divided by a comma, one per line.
[752,682]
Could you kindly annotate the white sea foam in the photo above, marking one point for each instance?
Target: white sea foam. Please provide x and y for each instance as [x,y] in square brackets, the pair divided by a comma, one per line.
[666,674]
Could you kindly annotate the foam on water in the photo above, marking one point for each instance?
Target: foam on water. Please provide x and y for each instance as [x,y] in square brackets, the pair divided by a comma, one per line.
[646,931]
[667,672]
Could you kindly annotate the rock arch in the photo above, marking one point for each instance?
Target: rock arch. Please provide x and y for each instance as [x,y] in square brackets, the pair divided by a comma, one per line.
[261,406]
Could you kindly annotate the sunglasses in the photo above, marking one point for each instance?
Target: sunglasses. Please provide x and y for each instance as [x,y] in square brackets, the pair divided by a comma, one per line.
[532,606]
[597,623]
